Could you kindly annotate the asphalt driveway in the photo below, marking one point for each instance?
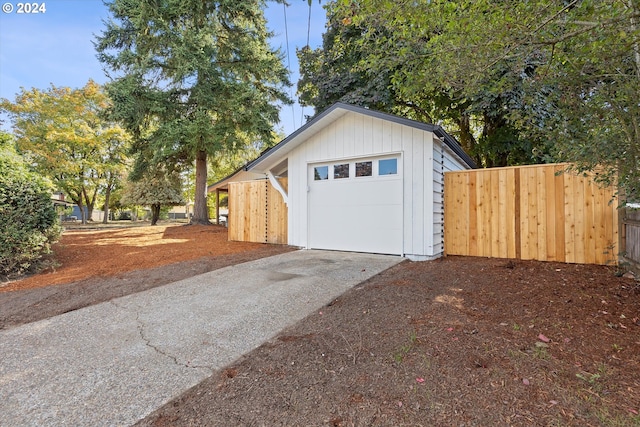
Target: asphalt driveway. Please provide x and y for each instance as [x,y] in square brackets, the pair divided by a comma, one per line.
[113,363]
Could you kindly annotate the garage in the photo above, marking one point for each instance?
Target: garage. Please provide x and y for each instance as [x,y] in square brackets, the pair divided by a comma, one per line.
[370,222]
[356,180]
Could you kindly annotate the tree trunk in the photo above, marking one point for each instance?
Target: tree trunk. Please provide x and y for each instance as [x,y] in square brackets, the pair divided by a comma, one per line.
[636,47]
[155,214]
[467,140]
[107,196]
[90,201]
[200,209]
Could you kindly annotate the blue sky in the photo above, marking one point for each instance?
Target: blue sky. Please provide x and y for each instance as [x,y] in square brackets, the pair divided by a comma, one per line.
[56,47]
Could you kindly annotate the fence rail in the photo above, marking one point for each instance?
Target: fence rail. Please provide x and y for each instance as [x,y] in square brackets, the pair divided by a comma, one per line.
[540,212]
[257,212]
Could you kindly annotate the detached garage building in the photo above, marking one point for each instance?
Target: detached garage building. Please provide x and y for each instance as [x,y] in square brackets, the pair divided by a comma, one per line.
[354,179]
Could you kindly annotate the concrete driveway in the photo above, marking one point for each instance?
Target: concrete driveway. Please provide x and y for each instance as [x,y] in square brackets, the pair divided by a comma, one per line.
[113,363]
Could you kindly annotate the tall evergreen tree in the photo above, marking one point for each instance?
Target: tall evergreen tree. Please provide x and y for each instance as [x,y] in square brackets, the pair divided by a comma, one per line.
[192,78]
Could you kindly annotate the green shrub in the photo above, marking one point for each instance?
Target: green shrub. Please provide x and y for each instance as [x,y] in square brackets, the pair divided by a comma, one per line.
[28,220]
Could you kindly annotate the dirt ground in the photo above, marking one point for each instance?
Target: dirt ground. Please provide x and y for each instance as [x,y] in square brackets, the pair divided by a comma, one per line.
[96,264]
[454,342]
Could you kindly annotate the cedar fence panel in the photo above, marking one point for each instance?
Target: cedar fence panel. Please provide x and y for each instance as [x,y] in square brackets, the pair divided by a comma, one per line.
[257,212]
[540,212]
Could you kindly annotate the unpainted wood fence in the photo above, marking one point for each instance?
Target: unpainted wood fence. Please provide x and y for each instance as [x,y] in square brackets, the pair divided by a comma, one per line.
[541,212]
[257,212]
[630,237]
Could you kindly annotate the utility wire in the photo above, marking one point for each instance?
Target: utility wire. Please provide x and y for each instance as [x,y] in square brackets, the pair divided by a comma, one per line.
[286,34]
[308,47]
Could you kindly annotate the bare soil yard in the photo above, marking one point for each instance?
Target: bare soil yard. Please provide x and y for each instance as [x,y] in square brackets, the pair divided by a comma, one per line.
[96,264]
[459,341]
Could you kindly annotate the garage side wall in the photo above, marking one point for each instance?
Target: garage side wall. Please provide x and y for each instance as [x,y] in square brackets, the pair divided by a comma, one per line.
[444,160]
[532,212]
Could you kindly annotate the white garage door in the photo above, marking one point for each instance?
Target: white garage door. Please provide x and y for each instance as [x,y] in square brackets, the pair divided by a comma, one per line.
[356,205]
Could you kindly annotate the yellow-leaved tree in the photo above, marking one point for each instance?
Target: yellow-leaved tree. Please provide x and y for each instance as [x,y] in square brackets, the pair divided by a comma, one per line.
[63,133]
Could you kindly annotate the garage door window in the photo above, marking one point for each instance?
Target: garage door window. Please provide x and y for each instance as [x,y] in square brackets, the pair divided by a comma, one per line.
[320,173]
[341,171]
[388,167]
[364,168]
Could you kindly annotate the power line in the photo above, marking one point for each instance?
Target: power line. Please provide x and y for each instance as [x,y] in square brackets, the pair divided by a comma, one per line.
[286,34]
[308,47]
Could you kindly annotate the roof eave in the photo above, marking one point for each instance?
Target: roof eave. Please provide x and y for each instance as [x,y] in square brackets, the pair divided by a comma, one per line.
[277,153]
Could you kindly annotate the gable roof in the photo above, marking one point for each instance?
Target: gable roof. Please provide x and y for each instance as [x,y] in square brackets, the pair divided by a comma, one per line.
[337,110]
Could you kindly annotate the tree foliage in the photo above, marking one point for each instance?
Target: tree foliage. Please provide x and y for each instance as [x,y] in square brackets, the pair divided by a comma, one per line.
[334,72]
[565,72]
[192,79]
[156,189]
[379,59]
[28,221]
[63,134]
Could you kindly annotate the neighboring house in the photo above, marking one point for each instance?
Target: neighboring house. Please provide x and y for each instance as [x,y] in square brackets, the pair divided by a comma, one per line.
[360,180]
[97,216]
[180,212]
[68,211]
[61,206]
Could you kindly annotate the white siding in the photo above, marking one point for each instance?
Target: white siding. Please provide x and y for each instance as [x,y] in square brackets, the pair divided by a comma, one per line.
[444,160]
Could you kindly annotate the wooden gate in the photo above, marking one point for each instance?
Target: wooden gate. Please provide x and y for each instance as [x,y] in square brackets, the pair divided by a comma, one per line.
[257,212]
[540,212]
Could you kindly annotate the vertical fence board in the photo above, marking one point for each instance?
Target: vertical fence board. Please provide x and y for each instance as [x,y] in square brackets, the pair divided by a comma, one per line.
[503,214]
[513,213]
[458,198]
[580,214]
[531,212]
[539,203]
[473,216]
[599,237]
[529,216]
[559,219]
[550,213]
[277,219]
[483,213]
[232,217]
[496,219]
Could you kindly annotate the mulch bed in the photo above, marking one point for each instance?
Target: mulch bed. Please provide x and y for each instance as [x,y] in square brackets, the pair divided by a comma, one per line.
[458,341]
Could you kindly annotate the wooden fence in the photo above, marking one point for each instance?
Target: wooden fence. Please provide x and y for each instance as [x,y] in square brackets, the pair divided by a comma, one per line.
[630,237]
[531,212]
[257,212]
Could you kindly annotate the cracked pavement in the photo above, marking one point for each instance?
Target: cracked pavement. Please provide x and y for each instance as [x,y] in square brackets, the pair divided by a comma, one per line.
[113,363]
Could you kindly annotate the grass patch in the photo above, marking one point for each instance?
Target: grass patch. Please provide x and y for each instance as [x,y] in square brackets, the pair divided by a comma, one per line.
[402,352]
